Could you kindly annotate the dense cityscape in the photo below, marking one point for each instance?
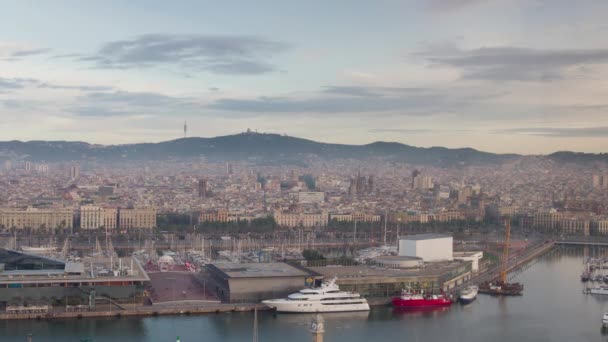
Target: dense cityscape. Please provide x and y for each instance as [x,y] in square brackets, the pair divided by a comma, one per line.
[340,171]
[540,194]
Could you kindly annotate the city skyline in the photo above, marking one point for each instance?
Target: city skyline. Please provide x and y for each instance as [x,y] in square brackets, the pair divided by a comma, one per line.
[498,76]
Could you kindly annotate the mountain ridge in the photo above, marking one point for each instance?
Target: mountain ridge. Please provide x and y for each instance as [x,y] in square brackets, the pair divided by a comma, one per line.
[262,147]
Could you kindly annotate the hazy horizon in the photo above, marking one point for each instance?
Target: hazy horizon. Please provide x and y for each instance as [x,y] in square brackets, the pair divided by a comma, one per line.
[499,76]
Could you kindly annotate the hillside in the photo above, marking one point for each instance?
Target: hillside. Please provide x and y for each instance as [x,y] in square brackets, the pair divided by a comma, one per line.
[252,146]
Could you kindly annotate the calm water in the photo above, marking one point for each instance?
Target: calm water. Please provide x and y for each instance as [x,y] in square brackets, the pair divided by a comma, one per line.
[552,309]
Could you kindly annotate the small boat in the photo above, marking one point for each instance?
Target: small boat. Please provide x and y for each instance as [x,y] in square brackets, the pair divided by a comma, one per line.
[599,290]
[586,276]
[411,299]
[468,294]
[598,277]
[605,321]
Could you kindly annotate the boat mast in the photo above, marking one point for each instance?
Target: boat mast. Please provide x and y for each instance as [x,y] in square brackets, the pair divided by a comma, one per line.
[505,252]
[255,324]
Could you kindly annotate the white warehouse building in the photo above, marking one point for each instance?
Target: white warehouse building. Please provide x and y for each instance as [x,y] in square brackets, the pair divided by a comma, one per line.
[429,247]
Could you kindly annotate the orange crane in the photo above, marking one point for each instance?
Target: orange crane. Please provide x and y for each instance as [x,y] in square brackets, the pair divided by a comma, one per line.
[500,286]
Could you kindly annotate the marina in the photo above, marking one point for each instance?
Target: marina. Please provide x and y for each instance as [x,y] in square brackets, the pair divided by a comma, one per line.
[517,318]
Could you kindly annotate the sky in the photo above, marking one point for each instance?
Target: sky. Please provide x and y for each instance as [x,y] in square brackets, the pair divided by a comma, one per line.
[521,76]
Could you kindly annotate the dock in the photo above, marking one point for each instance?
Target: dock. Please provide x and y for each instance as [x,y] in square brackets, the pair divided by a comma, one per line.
[514,264]
[151,311]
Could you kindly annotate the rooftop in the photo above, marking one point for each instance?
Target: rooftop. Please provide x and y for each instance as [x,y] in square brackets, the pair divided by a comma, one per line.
[256,270]
[377,272]
[425,237]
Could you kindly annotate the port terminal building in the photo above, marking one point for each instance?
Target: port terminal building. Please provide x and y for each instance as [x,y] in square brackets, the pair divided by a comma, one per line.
[30,278]
[379,281]
[254,282]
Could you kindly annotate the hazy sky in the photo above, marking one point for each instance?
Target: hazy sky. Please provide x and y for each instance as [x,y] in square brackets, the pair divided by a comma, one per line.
[525,76]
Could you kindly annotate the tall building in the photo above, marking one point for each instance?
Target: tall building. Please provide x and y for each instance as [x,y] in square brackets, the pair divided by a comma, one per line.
[42,168]
[420,181]
[27,166]
[415,174]
[360,185]
[202,188]
[74,171]
[600,181]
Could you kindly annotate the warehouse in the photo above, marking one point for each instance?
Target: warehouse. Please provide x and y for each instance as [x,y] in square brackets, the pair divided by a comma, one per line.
[253,282]
[384,282]
[33,278]
[429,247]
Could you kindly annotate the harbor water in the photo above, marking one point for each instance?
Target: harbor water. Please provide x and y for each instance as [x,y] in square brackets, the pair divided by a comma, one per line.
[553,308]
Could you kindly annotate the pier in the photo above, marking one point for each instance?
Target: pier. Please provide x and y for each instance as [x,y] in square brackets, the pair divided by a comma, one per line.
[183,309]
[582,242]
[515,263]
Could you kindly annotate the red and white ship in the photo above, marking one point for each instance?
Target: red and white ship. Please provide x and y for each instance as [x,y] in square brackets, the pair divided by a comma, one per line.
[410,299]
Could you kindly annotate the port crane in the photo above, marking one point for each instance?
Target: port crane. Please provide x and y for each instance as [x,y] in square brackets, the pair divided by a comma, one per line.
[500,286]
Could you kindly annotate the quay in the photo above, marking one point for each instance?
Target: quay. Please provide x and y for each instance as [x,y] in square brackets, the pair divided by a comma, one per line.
[581,242]
[156,310]
[514,264]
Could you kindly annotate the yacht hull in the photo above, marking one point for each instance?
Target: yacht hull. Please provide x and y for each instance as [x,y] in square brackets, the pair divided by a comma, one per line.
[291,306]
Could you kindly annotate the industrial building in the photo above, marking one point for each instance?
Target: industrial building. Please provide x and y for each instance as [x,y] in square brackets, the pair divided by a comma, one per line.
[27,278]
[429,247]
[383,282]
[234,282]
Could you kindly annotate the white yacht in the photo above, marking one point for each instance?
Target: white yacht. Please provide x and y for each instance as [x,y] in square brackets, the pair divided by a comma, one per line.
[600,290]
[327,298]
[605,320]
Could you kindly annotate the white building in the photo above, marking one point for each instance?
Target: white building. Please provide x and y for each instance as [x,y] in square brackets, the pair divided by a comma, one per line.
[429,247]
[473,257]
[311,197]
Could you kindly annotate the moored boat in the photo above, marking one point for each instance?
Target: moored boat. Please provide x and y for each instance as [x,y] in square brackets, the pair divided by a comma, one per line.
[327,298]
[412,299]
[499,288]
[468,294]
[599,290]
[605,320]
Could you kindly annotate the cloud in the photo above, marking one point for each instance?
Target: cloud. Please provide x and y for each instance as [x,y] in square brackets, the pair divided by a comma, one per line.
[400,130]
[66,55]
[96,111]
[13,53]
[123,103]
[581,132]
[213,53]
[29,52]
[15,83]
[8,84]
[452,5]
[515,63]
[83,88]
[338,99]
[366,91]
